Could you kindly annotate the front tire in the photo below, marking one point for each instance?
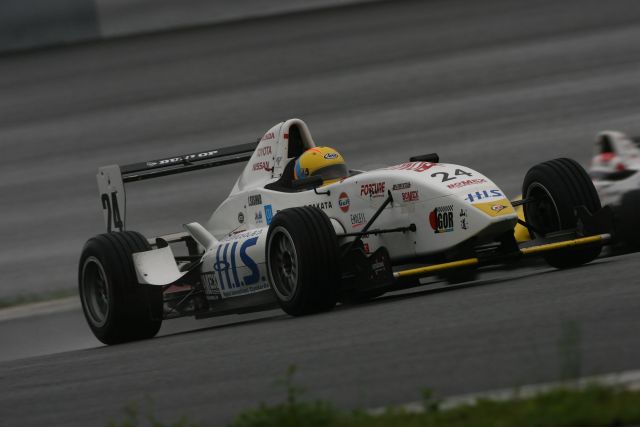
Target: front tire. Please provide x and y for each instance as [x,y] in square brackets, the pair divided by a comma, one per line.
[557,187]
[117,308]
[302,261]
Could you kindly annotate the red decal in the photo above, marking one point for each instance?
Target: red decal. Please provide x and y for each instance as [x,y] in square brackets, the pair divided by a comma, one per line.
[264,151]
[414,166]
[607,157]
[261,165]
[466,182]
[372,190]
[410,196]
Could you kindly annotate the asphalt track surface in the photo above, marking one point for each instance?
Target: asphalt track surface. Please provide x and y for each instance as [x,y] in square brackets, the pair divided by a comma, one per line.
[497,85]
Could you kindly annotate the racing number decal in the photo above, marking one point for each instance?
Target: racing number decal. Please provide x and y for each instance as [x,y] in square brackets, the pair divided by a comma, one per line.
[226,268]
[446,177]
[113,211]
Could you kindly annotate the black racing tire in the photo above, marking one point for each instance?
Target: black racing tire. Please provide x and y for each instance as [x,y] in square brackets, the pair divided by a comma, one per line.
[118,309]
[627,220]
[302,261]
[557,188]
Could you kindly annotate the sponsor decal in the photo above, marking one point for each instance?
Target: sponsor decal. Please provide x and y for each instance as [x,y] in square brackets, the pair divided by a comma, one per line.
[464,220]
[221,265]
[278,160]
[485,194]
[344,202]
[264,151]
[268,135]
[258,217]
[211,288]
[268,213]
[441,219]
[495,208]
[466,182]
[240,217]
[182,159]
[378,267]
[401,186]
[322,205]
[358,219]
[414,166]
[255,200]
[244,234]
[264,165]
[236,272]
[331,156]
[372,190]
[410,196]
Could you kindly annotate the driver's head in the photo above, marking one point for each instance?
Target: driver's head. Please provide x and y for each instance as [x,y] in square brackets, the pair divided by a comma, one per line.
[323,161]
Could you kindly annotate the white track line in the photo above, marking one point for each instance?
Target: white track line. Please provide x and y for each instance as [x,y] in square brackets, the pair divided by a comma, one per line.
[629,380]
[40,308]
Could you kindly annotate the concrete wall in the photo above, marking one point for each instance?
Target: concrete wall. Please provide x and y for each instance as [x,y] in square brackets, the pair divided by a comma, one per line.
[118,17]
[34,23]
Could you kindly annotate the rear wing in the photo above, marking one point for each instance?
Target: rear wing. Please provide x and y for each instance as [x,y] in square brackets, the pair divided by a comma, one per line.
[111,179]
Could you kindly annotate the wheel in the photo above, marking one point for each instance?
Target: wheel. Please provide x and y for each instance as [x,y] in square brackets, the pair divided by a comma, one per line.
[556,188]
[302,260]
[117,308]
[627,220]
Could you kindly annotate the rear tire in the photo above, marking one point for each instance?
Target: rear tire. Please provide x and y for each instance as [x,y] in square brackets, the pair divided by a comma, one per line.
[558,187]
[302,261]
[117,308]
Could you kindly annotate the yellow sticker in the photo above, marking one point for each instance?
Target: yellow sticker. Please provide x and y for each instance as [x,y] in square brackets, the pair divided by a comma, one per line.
[497,208]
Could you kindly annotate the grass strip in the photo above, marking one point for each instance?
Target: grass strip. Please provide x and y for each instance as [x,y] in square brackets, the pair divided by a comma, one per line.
[33,298]
[594,406]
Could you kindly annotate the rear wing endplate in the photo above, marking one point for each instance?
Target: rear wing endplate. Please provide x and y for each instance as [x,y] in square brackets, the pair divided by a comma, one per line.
[111,179]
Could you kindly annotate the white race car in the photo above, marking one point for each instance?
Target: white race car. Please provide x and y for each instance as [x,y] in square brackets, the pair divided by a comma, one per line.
[305,245]
[615,170]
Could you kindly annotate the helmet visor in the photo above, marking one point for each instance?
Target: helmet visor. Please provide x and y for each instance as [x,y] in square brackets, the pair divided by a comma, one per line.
[335,171]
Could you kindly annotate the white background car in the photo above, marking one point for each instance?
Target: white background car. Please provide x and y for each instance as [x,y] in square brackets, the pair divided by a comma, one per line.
[615,170]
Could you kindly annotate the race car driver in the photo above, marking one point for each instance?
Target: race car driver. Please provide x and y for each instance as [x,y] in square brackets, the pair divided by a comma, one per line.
[322,161]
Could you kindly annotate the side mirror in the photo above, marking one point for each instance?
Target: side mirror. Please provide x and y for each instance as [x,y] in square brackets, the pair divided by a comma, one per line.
[431,158]
[308,182]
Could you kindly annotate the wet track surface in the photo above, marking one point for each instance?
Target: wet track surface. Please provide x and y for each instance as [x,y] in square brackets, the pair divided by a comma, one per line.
[498,86]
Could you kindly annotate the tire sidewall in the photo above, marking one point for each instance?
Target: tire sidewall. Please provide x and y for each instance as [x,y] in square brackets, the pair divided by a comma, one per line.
[129,315]
[92,252]
[316,248]
[276,228]
[568,186]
